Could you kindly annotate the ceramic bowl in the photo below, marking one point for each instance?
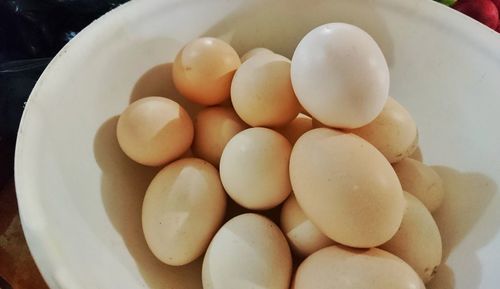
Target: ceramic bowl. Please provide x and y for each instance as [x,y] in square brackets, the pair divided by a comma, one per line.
[80,197]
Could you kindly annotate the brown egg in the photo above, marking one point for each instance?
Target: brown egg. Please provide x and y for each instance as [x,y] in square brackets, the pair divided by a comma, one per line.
[296,128]
[213,128]
[248,252]
[346,187]
[254,168]
[154,131]
[304,237]
[393,132]
[261,91]
[183,208]
[203,70]
[418,241]
[256,51]
[421,181]
[417,155]
[345,268]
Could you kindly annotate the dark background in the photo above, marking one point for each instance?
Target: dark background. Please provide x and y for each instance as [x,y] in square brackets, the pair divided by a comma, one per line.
[31,33]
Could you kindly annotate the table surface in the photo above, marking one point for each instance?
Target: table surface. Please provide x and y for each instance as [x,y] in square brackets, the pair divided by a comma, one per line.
[16,264]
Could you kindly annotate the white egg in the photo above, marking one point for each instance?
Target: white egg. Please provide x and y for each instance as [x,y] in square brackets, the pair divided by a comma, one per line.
[340,75]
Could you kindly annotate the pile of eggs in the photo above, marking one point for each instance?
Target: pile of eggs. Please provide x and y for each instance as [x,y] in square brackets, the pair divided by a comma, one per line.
[317,137]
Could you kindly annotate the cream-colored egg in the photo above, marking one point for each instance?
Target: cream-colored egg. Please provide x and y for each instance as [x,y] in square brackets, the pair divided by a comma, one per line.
[346,187]
[418,241]
[296,128]
[254,168]
[417,155]
[421,181]
[393,132]
[183,208]
[261,91]
[256,51]
[345,268]
[340,75]
[213,128]
[203,70]
[154,131]
[304,237]
[248,252]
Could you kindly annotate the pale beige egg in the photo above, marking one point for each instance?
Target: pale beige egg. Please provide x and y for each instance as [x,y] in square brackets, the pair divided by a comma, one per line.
[304,237]
[421,181]
[393,132]
[347,268]
[261,91]
[213,128]
[346,187]
[154,131]
[203,70]
[254,168]
[248,252]
[296,128]
[418,241]
[183,208]
[255,51]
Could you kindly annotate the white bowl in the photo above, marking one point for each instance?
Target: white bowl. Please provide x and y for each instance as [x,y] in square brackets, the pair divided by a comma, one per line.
[80,197]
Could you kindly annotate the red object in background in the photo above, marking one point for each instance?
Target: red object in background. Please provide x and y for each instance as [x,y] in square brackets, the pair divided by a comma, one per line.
[484,11]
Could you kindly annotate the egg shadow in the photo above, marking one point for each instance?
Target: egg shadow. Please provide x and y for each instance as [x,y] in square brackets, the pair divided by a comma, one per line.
[157,81]
[467,208]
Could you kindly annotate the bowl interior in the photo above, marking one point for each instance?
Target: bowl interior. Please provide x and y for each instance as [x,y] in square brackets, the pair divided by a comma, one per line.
[80,197]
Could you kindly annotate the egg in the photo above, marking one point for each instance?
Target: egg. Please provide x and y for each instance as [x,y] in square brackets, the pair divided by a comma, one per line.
[340,75]
[261,91]
[393,132]
[248,252]
[346,187]
[418,241]
[296,128]
[256,51]
[421,181]
[182,210]
[254,168]
[154,131]
[213,128]
[417,155]
[203,70]
[304,237]
[346,268]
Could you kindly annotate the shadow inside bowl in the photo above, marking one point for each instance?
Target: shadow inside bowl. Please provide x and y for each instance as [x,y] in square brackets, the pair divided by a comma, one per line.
[467,200]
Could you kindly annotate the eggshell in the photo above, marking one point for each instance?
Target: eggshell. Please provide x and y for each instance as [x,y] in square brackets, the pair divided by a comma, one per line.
[248,252]
[393,132]
[203,70]
[421,181]
[183,208]
[296,128]
[213,128]
[303,236]
[154,131]
[418,241]
[256,51]
[346,268]
[340,75]
[261,91]
[346,187]
[254,168]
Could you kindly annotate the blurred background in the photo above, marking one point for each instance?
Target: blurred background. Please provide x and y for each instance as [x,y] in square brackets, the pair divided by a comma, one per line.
[31,33]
